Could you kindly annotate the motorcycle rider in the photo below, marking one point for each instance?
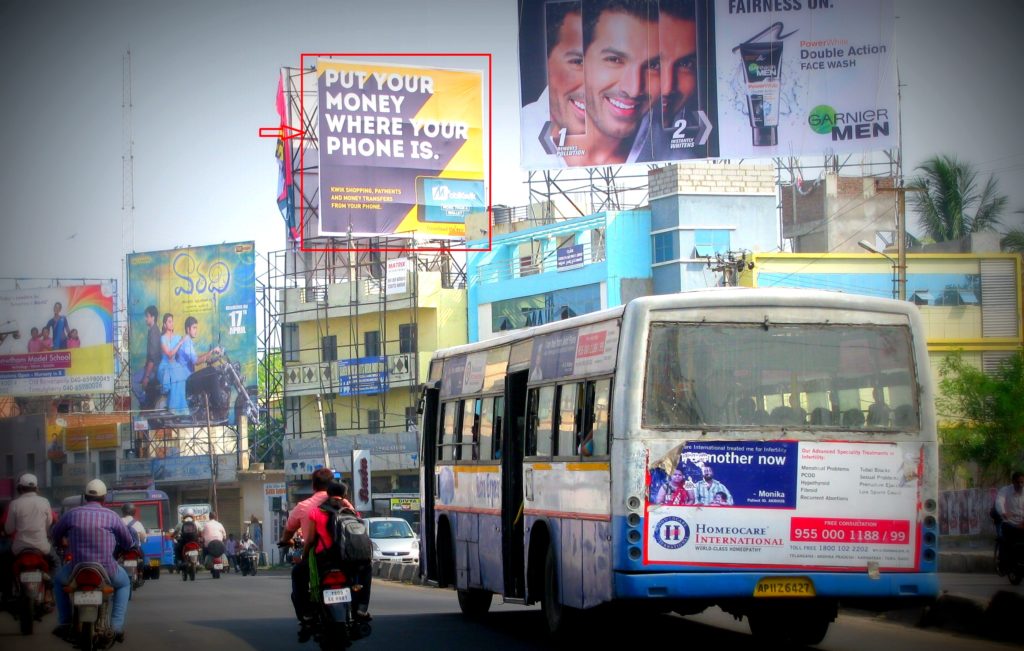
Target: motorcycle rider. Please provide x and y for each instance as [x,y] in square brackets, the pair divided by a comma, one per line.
[187,532]
[28,522]
[213,532]
[128,517]
[94,534]
[1010,507]
[320,542]
[244,545]
[299,519]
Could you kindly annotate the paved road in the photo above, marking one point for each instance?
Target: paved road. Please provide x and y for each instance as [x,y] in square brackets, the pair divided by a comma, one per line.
[253,614]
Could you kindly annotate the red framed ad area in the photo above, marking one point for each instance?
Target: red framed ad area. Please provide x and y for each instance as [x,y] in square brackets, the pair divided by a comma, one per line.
[308,61]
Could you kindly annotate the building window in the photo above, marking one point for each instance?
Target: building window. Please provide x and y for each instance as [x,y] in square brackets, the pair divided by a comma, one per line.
[597,251]
[411,418]
[407,338]
[290,342]
[30,462]
[374,417]
[665,247]
[707,243]
[108,462]
[330,423]
[371,343]
[292,410]
[329,348]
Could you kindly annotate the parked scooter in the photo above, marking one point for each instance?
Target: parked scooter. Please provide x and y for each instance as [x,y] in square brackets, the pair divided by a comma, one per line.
[189,560]
[333,626]
[132,561]
[92,602]
[32,581]
[216,558]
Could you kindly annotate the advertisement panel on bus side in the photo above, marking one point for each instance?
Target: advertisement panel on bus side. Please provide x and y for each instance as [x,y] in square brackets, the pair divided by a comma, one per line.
[785,504]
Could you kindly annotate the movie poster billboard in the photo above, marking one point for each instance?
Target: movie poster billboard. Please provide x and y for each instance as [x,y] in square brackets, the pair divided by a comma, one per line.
[401,149]
[57,341]
[785,504]
[192,334]
[664,80]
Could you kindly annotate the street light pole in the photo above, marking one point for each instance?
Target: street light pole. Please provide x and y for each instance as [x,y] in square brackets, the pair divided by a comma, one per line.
[895,279]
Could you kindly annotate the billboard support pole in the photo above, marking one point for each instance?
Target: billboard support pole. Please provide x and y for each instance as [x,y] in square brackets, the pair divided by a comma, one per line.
[213,458]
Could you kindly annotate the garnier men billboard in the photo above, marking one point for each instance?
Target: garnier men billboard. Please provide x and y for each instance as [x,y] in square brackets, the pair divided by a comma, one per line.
[192,334]
[401,149]
[634,81]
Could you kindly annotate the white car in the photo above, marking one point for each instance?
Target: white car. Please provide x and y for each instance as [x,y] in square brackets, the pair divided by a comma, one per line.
[393,540]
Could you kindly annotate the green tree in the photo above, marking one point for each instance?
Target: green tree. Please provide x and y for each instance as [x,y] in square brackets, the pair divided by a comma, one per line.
[1013,240]
[950,204]
[984,422]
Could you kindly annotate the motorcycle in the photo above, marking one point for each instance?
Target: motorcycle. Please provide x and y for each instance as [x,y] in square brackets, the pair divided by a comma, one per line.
[333,625]
[248,559]
[92,597]
[189,560]
[132,561]
[31,572]
[208,393]
[216,558]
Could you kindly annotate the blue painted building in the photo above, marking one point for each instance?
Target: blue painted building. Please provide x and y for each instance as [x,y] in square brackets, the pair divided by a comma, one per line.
[700,211]
[551,272]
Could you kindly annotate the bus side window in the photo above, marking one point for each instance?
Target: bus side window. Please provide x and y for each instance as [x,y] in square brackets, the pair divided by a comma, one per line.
[486,429]
[447,415]
[539,421]
[567,420]
[499,419]
[470,429]
[595,427]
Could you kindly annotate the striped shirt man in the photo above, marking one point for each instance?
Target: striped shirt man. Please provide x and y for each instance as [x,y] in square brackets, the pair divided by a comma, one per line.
[93,532]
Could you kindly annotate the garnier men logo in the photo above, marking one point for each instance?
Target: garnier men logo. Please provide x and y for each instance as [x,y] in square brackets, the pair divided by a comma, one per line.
[822,118]
[853,125]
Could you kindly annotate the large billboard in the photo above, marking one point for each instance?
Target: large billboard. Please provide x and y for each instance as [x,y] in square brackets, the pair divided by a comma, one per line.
[192,334]
[58,340]
[635,81]
[401,149]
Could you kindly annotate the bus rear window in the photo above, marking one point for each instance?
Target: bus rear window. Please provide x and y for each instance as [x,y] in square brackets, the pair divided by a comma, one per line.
[805,376]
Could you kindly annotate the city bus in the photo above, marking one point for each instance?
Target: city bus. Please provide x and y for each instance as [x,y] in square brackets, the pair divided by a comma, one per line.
[152,510]
[768,451]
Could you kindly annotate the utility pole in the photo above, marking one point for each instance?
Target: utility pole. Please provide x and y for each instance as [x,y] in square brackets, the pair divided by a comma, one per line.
[730,266]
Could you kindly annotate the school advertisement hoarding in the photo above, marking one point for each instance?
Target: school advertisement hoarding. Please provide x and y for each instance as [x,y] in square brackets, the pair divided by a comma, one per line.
[785,504]
[606,82]
[192,334]
[401,149]
[58,340]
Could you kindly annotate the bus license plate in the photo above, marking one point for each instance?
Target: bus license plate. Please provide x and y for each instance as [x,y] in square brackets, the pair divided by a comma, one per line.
[343,595]
[154,562]
[93,598]
[131,563]
[31,577]
[784,586]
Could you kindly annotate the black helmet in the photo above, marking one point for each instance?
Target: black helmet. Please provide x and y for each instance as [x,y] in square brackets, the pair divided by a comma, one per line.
[128,509]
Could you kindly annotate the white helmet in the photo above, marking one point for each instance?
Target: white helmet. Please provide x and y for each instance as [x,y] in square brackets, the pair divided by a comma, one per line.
[96,488]
[188,513]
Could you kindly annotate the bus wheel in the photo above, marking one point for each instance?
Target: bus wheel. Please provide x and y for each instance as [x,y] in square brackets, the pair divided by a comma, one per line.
[474,603]
[556,616]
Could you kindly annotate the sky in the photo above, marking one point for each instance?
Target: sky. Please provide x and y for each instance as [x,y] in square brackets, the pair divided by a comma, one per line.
[204,75]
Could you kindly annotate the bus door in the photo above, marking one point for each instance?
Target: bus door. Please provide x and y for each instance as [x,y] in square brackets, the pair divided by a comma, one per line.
[512,520]
[428,459]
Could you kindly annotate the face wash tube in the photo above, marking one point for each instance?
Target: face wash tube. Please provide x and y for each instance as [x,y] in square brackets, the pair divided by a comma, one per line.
[762,71]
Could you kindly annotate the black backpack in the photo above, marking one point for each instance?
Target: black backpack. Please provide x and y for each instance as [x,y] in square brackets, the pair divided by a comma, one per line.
[351,536]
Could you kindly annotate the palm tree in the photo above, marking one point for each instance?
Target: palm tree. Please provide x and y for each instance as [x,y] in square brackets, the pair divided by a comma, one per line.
[1013,241]
[948,202]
